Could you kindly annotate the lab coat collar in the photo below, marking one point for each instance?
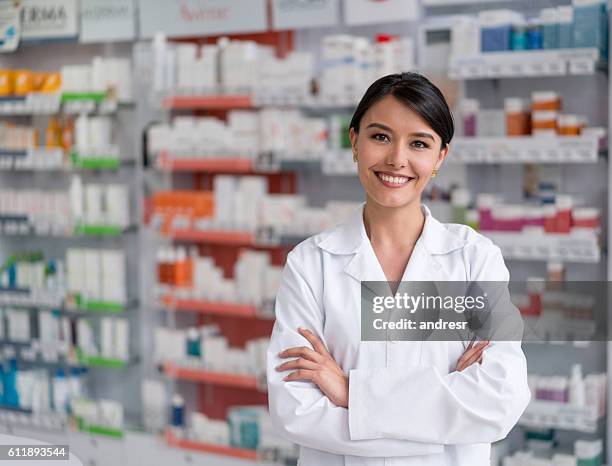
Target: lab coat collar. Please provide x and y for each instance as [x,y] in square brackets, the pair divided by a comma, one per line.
[350,236]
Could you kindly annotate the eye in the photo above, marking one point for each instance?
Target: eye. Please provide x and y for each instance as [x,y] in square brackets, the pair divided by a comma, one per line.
[380,137]
[420,145]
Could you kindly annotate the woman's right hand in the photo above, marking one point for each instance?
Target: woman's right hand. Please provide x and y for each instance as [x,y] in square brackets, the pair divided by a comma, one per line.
[471,355]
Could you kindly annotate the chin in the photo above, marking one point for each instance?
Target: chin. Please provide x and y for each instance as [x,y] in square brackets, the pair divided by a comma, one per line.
[393,201]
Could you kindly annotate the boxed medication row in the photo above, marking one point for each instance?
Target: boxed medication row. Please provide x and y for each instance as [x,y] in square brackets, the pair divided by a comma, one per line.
[192,276]
[53,336]
[60,212]
[245,134]
[204,348]
[584,24]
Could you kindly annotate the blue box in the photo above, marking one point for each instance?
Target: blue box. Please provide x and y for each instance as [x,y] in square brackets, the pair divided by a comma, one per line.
[496,39]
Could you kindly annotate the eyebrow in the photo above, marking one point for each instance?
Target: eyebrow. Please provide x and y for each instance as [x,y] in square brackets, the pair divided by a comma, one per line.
[387,128]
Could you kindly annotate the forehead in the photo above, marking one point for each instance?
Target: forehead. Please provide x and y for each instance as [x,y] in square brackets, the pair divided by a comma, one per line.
[391,112]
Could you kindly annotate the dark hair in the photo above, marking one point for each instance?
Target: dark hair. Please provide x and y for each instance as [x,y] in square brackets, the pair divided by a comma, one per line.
[418,93]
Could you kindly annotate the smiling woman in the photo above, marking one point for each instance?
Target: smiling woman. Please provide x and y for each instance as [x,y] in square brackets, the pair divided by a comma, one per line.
[426,403]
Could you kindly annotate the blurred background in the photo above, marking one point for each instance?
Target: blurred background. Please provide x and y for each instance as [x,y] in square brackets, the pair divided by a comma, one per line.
[160,158]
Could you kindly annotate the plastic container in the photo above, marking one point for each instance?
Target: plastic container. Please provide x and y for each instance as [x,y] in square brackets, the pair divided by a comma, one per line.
[555,272]
[460,200]
[565,15]
[469,112]
[550,219]
[535,35]
[545,100]
[544,123]
[519,36]
[550,28]
[586,217]
[472,219]
[485,203]
[508,217]
[518,118]
[569,125]
[178,411]
[563,205]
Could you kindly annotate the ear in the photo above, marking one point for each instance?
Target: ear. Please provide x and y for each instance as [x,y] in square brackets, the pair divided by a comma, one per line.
[442,156]
[353,138]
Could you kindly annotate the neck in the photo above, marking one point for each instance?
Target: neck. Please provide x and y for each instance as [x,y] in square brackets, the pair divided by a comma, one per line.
[398,227]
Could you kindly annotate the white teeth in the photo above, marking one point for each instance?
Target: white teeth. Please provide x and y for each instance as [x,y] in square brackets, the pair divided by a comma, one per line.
[393,179]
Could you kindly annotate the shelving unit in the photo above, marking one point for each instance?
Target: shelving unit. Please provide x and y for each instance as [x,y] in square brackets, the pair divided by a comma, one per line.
[573,164]
[528,149]
[173,304]
[222,450]
[550,414]
[547,247]
[526,64]
[195,374]
[50,169]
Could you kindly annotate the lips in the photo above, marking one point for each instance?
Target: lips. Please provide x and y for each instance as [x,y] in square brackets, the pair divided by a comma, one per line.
[393,180]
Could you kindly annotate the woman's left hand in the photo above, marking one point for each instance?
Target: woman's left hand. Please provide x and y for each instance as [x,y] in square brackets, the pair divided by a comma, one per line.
[317,366]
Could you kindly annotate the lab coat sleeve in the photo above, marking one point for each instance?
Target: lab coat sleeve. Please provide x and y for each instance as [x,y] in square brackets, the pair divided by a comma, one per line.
[480,404]
[299,410]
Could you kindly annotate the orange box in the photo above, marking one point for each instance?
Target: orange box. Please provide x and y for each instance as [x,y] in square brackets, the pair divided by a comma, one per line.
[6,82]
[24,82]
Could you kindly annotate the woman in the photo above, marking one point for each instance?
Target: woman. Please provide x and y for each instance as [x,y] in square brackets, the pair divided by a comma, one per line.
[352,402]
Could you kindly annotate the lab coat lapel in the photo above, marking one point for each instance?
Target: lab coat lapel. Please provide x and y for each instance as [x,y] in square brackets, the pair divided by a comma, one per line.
[350,240]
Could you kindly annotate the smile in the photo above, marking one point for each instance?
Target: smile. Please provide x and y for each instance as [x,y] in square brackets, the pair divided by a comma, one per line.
[393,180]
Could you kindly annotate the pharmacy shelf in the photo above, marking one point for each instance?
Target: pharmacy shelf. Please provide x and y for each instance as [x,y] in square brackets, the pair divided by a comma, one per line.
[192,374]
[513,64]
[223,450]
[22,227]
[556,415]
[54,159]
[102,431]
[83,96]
[259,99]
[103,363]
[527,149]
[262,164]
[171,303]
[30,104]
[535,245]
[25,298]
[213,101]
[47,421]
[231,238]
[236,165]
[431,3]
[96,163]
[51,103]
[82,360]
[235,238]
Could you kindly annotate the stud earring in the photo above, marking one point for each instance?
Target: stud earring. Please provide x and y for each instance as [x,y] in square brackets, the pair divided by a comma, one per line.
[434,173]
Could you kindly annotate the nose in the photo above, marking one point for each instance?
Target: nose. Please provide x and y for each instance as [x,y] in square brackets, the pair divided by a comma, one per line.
[397,156]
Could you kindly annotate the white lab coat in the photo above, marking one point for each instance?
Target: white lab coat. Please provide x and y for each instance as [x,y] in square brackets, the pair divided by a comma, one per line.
[407,405]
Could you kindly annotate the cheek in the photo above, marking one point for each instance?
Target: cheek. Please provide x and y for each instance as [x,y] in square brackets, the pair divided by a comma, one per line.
[423,164]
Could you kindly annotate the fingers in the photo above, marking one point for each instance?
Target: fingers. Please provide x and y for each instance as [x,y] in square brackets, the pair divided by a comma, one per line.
[302,374]
[471,344]
[300,351]
[315,354]
[314,340]
[299,363]
[473,355]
